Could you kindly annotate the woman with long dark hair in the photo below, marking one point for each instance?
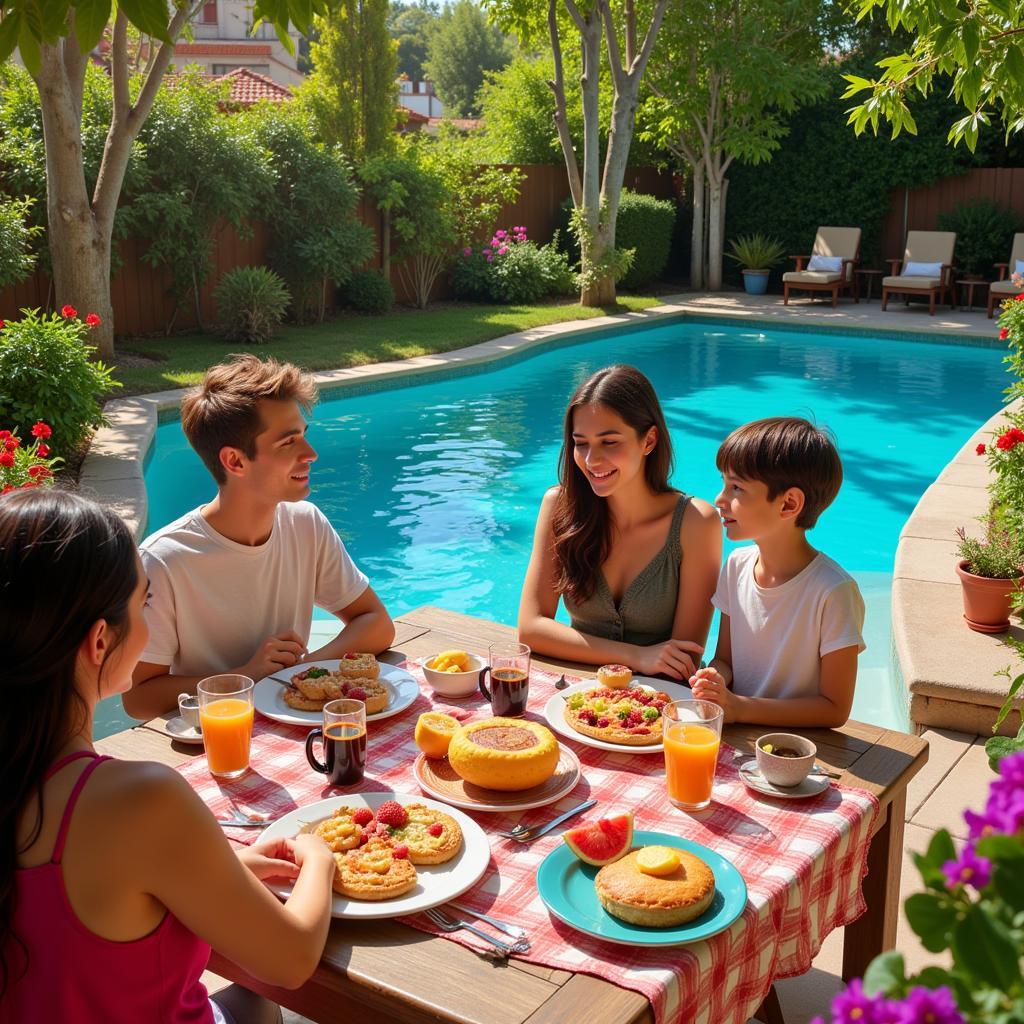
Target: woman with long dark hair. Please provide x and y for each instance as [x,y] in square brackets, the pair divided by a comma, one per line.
[115,879]
[635,561]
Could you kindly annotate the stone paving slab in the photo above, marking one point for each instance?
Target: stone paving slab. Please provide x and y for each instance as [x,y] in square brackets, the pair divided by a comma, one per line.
[966,786]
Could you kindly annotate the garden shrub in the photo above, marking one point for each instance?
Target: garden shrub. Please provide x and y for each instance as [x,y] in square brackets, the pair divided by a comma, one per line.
[17,260]
[512,269]
[251,301]
[645,225]
[368,292]
[984,234]
[316,235]
[46,374]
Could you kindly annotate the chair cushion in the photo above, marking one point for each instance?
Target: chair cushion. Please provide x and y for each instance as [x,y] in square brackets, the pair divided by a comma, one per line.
[830,264]
[1005,288]
[912,269]
[930,247]
[810,277]
[912,283]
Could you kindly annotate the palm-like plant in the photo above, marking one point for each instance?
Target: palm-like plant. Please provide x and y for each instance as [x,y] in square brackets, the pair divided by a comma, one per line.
[756,252]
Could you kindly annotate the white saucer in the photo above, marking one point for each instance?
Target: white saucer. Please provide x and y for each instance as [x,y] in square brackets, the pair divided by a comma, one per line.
[182,733]
[813,785]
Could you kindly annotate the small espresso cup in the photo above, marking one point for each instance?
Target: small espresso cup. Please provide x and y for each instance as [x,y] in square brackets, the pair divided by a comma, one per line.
[188,706]
[344,738]
[509,670]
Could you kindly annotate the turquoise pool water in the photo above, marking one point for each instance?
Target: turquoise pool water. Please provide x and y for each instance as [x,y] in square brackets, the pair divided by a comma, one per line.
[434,485]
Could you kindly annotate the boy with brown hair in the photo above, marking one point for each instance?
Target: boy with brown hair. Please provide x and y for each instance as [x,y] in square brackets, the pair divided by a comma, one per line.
[233,583]
[791,617]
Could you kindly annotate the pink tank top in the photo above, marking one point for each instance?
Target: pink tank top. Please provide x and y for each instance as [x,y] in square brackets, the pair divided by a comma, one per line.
[74,976]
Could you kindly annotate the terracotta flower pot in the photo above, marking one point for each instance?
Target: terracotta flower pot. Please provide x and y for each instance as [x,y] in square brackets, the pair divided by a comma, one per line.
[986,601]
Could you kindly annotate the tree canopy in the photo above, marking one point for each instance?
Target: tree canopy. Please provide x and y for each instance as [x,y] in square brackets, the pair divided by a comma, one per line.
[463,47]
[410,26]
[973,47]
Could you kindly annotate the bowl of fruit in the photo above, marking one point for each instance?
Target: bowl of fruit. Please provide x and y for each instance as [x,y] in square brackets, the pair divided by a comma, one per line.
[453,673]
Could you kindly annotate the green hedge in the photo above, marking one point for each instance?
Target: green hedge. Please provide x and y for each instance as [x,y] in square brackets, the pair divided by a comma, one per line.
[824,174]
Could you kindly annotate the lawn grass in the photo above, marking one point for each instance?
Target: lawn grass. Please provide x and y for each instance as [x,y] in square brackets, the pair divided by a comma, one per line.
[350,340]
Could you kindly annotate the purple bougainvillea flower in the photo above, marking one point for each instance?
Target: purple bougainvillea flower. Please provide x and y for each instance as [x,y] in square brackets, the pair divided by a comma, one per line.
[968,869]
[930,1006]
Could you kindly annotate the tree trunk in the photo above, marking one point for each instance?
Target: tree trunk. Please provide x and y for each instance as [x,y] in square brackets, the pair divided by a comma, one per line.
[599,293]
[385,245]
[78,239]
[697,250]
[715,195]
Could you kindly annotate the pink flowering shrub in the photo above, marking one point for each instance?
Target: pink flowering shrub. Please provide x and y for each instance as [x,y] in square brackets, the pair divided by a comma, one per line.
[510,268]
[973,905]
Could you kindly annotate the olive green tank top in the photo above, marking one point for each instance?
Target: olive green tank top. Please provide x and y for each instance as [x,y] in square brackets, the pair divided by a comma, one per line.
[647,610]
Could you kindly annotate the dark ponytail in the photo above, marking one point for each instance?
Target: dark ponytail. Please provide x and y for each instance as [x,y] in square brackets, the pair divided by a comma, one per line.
[65,563]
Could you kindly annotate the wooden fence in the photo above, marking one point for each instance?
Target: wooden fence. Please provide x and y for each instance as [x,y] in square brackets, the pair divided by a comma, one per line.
[141,294]
[918,209]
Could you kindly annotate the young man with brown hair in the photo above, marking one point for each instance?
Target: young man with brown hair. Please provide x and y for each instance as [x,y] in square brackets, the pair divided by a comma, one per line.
[791,617]
[233,583]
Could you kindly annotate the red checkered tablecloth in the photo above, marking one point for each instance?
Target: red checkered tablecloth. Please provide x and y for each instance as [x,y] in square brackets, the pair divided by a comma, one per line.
[803,861]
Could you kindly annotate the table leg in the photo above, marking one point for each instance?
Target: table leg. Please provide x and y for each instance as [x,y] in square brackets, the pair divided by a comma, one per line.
[875,930]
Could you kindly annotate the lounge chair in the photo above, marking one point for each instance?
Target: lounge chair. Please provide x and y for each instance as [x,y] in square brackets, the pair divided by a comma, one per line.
[927,268]
[823,272]
[1004,288]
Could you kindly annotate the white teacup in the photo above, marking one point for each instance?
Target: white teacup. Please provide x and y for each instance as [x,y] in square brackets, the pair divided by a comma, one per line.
[188,706]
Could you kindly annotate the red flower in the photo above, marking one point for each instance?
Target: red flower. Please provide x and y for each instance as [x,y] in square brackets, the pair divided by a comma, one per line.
[40,429]
[68,312]
[6,459]
[980,450]
[11,444]
[1010,439]
[27,484]
[41,471]
[1004,334]
[42,450]
[4,434]
[1019,298]
[3,324]
[7,489]
[93,320]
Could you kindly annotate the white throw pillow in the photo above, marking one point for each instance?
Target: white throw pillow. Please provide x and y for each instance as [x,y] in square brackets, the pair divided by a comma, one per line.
[1019,267]
[922,269]
[830,264]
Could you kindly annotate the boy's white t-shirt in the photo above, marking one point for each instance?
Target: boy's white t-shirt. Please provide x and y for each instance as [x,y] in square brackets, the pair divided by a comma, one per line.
[214,601]
[780,634]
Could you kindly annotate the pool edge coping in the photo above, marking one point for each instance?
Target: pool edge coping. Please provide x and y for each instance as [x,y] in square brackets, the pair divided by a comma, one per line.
[948,670]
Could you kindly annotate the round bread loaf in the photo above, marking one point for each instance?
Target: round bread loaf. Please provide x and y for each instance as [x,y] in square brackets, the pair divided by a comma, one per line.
[658,901]
[506,754]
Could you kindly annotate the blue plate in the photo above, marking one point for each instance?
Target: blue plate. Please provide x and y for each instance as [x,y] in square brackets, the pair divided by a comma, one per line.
[566,885]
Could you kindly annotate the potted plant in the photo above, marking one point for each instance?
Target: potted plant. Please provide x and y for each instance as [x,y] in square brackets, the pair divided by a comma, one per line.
[756,255]
[990,574]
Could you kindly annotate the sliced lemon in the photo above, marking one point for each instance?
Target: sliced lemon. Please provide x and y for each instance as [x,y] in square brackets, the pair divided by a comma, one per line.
[657,860]
[434,732]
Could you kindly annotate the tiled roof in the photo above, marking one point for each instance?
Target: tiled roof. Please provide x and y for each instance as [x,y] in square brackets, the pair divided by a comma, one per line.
[222,49]
[248,87]
[413,115]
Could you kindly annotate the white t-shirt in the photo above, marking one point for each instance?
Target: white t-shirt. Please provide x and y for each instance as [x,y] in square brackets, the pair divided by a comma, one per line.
[214,601]
[780,634]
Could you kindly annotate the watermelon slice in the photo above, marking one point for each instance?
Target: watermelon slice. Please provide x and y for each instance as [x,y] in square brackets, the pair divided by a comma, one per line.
[603,842]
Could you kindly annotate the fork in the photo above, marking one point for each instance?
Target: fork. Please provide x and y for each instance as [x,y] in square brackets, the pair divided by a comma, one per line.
[453,924]
[240,820]
[509,929]
[527,833]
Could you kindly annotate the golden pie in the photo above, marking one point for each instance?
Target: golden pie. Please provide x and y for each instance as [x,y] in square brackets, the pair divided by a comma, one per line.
[340,831]
[506,754]
[630,716]
[358,666]
[656,900]
[316,686]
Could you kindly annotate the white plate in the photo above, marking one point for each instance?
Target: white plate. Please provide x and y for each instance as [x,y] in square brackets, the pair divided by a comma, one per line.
[181,732]
[555,708]
[438,780]
[268,696]
[811,786]
[435,883]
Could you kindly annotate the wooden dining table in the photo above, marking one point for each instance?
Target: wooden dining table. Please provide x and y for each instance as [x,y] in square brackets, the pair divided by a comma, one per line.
[384,971]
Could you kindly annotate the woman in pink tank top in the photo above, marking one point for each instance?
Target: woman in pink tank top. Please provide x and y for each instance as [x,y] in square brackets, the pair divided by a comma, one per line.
[115,879]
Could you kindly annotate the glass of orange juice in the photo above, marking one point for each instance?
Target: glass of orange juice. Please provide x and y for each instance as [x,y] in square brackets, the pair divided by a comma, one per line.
[225,716]
[692,734]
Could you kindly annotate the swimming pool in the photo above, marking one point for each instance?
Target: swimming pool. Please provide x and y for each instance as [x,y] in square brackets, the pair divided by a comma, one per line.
[434,485]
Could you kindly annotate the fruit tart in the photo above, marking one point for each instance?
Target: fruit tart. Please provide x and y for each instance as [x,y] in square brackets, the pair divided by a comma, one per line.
[631,717]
